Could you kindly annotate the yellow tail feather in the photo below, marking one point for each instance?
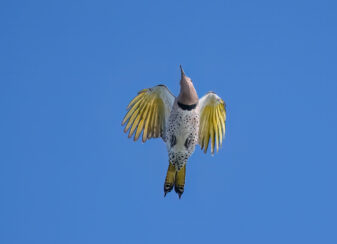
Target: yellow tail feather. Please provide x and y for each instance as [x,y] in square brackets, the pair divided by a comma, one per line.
[170,178]
[180,181]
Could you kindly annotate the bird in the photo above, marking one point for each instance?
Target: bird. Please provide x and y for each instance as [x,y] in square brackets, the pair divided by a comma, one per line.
[182,122]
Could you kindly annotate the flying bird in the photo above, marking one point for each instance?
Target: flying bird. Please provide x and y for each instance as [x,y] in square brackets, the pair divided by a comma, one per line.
[182,122]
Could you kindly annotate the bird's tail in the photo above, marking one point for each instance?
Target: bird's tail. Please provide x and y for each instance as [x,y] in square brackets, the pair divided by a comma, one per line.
[180,181]
[170,178]
[175,179]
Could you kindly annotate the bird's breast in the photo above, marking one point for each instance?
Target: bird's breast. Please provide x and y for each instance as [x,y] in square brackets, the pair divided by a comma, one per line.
[182,132]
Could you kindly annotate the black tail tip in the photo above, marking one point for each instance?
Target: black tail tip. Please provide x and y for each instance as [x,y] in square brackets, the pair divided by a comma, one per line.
[179,190]
[167,188]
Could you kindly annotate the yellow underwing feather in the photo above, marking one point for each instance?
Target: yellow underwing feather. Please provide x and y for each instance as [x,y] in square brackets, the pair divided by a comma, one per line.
[138,117]
[219,126]
[216,130]
[131,120]
[223,117]
[150,133]
[139,129]
[155,121]
[134,125]
[201,131]
[202,128]
[205,124]
[206,131]
[161,124]
[212,122]
[141,123]
[143,91]
[147,113]
[132,110]
[209,125]
[212,132]
[218,114]
[147,122]
[159,119]
[133,101]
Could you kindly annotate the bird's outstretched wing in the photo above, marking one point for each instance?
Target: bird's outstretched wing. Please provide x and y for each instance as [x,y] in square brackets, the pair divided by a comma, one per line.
[212,121]
[148,112]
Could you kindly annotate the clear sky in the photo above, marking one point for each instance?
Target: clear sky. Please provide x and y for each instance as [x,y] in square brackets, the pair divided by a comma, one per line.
[68,173]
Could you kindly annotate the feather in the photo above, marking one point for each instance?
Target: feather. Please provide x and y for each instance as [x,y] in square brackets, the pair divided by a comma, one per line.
[212,122]
[219,125]
[133,101]
[132,110]
[141,123]
[135,118]
[147,112]
[147,122]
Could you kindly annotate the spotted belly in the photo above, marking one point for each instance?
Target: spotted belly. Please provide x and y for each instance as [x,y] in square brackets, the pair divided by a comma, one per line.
[182,135]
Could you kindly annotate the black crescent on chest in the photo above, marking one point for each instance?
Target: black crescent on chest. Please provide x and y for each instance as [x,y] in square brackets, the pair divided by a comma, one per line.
[187,107]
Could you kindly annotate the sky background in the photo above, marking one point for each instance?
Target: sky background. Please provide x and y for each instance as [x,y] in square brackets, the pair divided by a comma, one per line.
[68,173]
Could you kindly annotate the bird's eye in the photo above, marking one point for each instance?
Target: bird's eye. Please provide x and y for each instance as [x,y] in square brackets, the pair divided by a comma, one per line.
[173,140]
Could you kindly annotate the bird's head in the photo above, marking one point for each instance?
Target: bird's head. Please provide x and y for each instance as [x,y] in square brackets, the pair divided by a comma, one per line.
[188,94]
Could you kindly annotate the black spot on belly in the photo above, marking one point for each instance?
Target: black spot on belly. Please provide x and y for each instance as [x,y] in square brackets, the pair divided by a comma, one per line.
[188,141]
[173,140]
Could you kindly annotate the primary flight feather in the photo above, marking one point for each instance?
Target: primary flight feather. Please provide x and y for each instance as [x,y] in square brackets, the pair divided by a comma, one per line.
[182,122]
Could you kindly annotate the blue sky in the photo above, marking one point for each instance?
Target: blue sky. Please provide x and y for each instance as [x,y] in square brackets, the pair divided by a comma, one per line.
[68,173]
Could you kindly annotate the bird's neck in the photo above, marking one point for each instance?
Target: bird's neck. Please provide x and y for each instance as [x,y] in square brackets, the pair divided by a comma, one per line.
[188,94]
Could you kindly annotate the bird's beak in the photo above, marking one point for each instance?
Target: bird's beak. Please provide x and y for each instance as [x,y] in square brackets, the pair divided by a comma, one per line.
[182,72]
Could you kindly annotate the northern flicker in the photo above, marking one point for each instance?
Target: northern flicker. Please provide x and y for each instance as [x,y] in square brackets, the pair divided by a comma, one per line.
[182,122]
